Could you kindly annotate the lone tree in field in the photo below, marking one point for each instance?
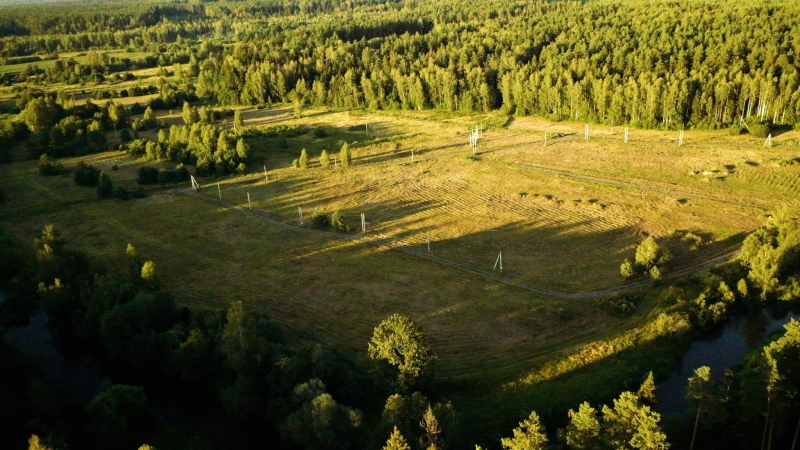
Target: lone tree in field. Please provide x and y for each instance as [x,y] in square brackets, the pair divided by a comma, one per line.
[530,435]
[649,255]
[400,344]
[303,160]
[104,187]
[324,159]
[238,122]
[345,156]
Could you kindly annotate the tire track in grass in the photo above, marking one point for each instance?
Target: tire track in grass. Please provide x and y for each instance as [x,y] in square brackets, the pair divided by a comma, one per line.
[388,244]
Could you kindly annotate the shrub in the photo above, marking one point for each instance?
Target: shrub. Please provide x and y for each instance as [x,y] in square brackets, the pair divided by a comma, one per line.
[319,133]
[114,166]
[759,130]
[345,156]
[337,223]
[296,163]
[49,166]
[320,219]
[324,159]
[86,175]
[104,187]
[627,269]
[147,175]
[303,161]
[735,130]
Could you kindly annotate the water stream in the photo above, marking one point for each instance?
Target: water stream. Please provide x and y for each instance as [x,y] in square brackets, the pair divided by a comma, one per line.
[721,351]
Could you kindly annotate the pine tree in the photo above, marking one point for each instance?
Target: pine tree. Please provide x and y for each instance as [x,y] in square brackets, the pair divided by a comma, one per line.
[583,430]
[647,391]
[396,441]
[344,155]
[104,187]
[303,161]
[530,435]
[324,159]
[431,428]
[238,122]
[149,272]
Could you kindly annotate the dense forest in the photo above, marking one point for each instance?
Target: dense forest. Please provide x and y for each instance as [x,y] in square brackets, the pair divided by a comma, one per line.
[707,64]
[676,65]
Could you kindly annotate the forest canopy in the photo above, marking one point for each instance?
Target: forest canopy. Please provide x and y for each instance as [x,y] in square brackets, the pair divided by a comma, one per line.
[655,64]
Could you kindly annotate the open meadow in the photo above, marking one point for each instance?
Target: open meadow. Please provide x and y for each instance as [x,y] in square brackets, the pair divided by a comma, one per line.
[564,215]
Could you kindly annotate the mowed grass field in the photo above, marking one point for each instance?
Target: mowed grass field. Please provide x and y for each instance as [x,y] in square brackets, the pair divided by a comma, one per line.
[556,231]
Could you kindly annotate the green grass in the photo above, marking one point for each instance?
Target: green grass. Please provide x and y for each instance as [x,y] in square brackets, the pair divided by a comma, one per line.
[80,57]
[555,231]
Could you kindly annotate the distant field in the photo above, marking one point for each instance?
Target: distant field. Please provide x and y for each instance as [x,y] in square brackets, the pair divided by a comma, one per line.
[77,56]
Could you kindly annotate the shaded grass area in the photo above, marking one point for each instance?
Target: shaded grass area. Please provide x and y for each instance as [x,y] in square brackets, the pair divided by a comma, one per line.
[319,289]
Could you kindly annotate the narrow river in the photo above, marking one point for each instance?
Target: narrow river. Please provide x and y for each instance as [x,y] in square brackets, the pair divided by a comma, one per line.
[721,351]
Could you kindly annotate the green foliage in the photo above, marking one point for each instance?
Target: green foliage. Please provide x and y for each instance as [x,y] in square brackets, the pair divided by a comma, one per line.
[396,441]
[345,156]
[530,435]
[759,130]
[303,160]
[34,443]
[320,422]
[86,175]
[117,416]
[104,187]
[149,271]
[627,269]
[583,430]
[400,343]
[319,133]
[769,254]
[324,159]
[649,254]
[337,223]
[147,175]
[647,391]
[320,219]
[700,384]
[629,424]
[238,121]
[49,166]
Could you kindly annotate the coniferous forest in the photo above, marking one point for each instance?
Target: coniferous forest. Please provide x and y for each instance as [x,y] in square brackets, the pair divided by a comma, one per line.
[163,85]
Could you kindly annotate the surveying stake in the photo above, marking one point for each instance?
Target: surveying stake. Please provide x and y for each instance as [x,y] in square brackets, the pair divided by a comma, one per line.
[768,142]
[586,132]
[266,177]
[429,241]
[680,138]
[300,211]
[195,184]
[249,205]
[625,138]
[499,261]
[363,224]
[219,190]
